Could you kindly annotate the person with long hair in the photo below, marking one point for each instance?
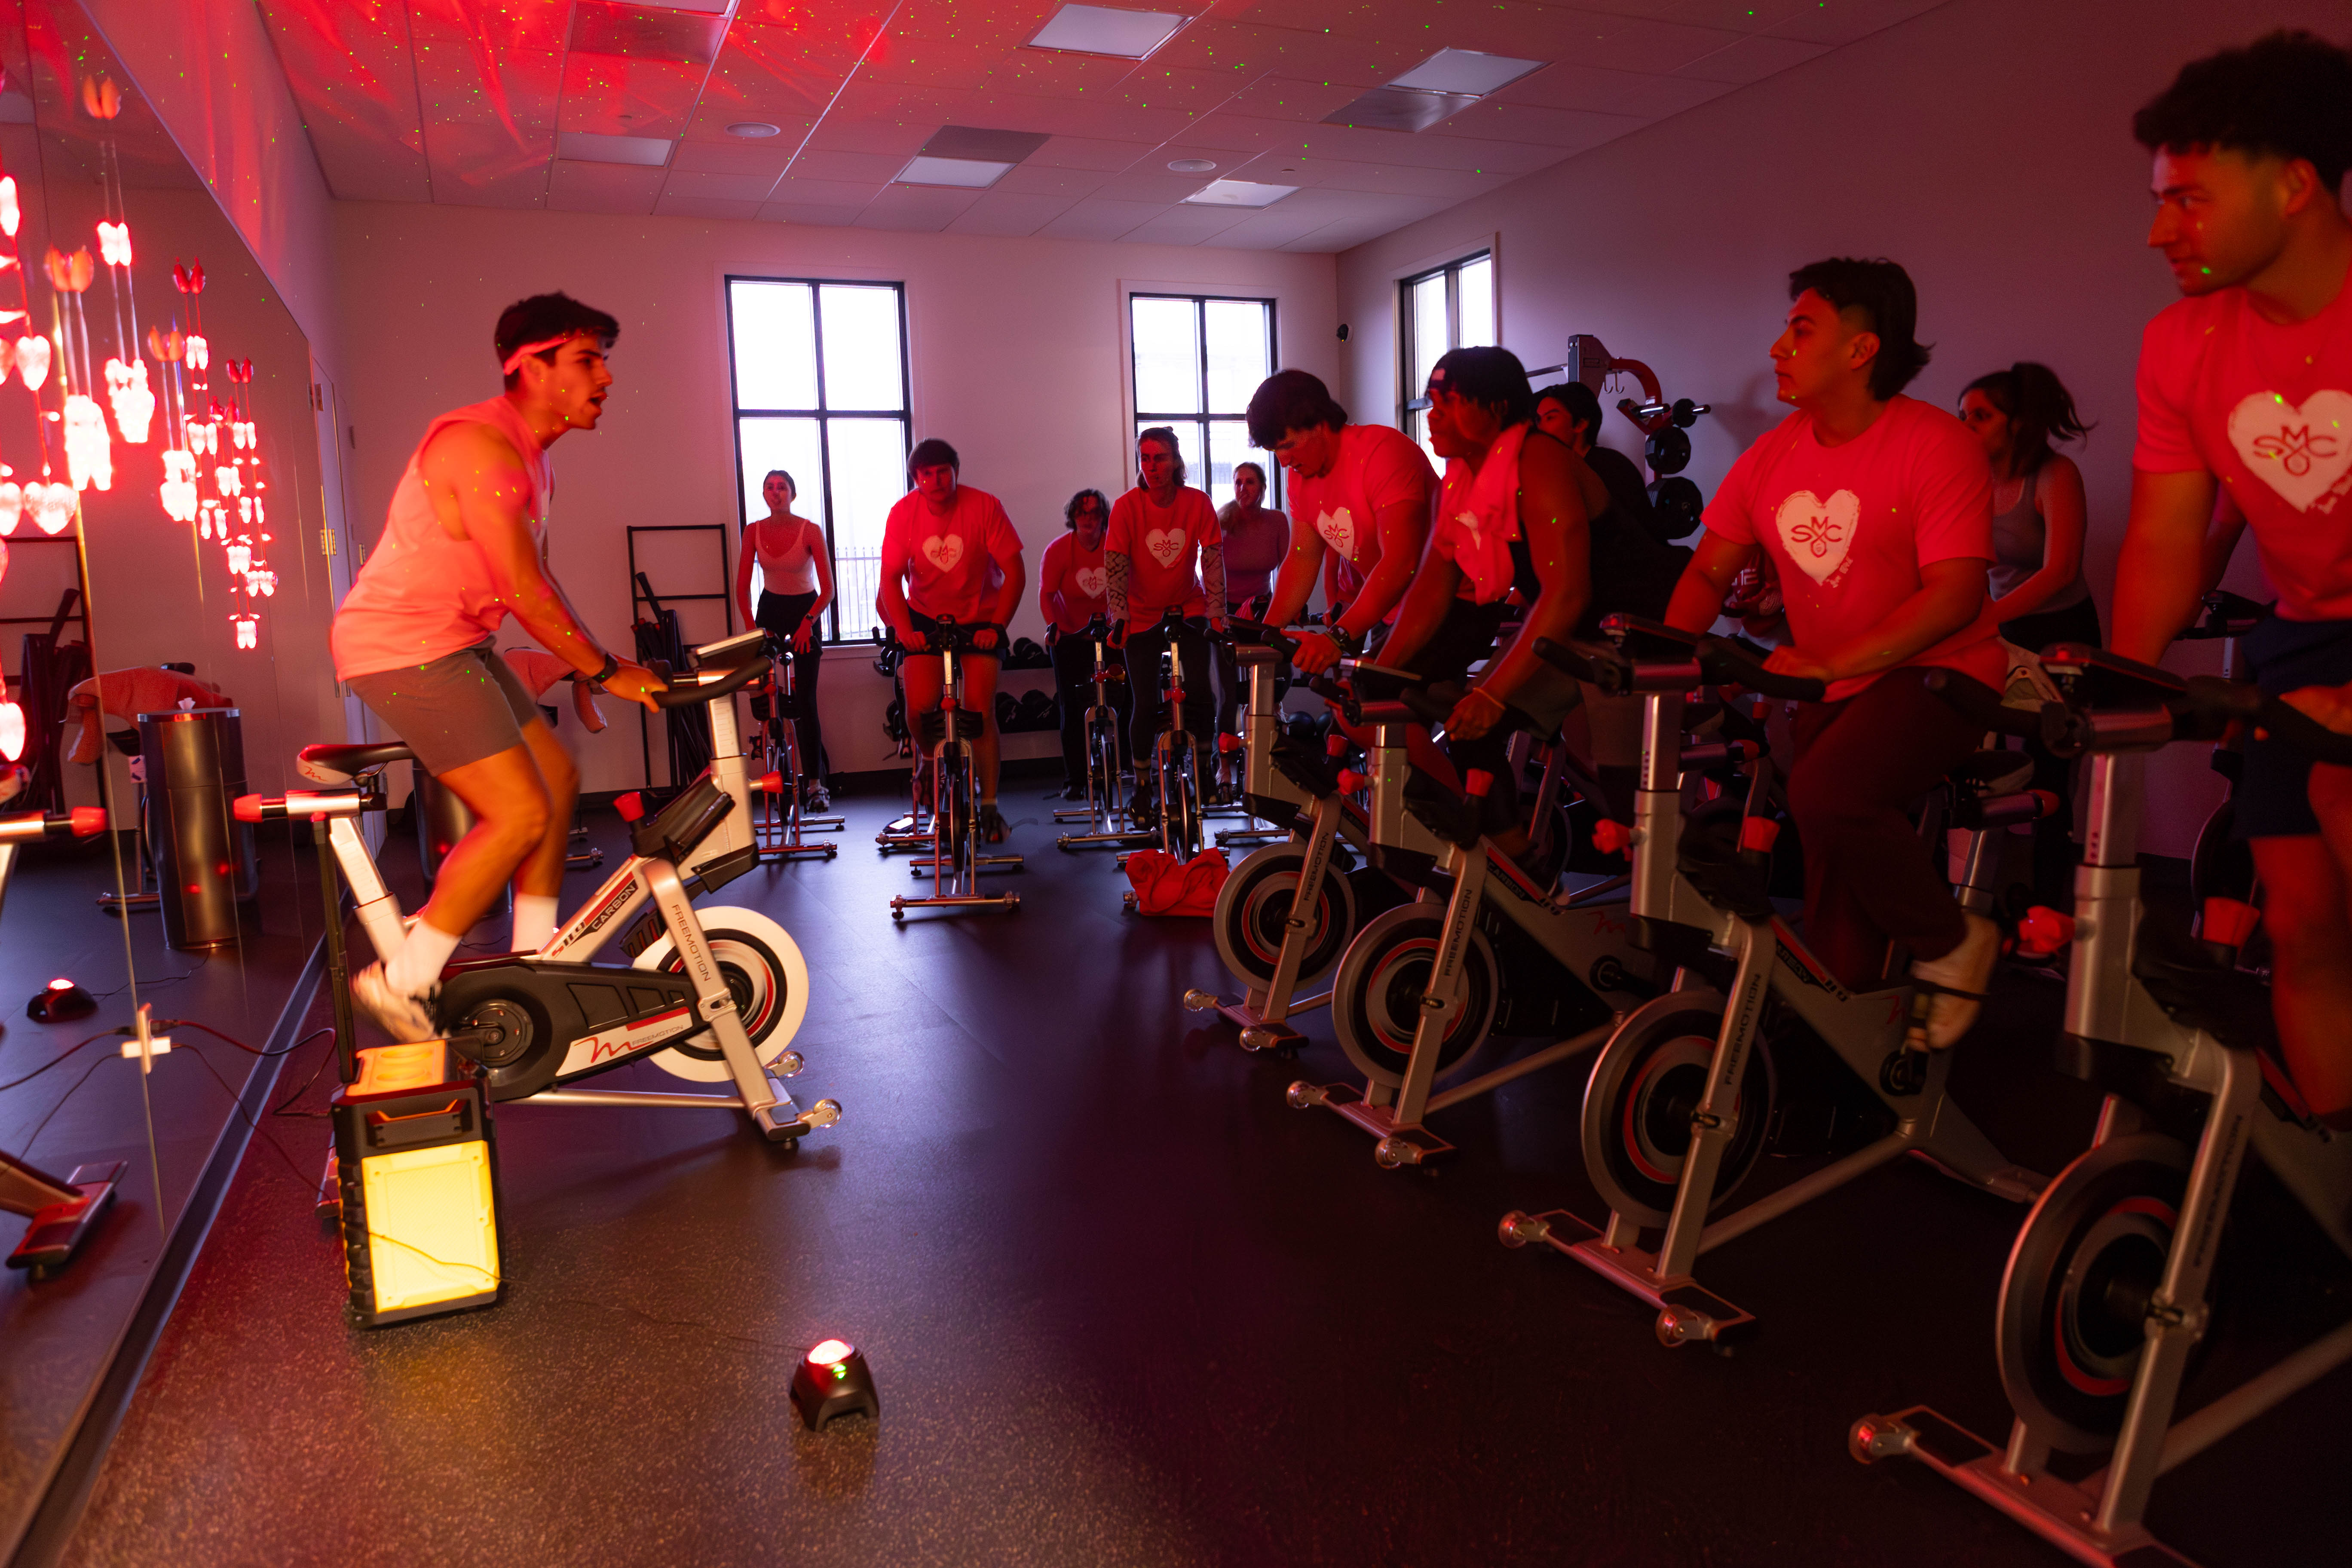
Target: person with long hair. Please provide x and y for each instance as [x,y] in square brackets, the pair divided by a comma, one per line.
[1257,537]
[795,587]
[1158,531]
[2038,596]
[1073,588]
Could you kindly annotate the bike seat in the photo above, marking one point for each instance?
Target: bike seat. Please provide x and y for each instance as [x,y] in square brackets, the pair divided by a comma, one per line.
[340,764]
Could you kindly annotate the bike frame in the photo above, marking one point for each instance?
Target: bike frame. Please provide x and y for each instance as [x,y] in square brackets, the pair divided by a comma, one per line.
[955,867]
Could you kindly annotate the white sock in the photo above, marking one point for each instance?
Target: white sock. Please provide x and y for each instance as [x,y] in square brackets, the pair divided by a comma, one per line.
[534,921]
[416,968]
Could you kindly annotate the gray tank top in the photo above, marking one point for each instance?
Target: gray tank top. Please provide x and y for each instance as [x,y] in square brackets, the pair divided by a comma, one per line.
[2019,541]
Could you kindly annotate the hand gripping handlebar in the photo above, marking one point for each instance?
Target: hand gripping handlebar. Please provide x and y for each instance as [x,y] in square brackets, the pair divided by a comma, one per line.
[2044,721]
[1671,661]
[734,680]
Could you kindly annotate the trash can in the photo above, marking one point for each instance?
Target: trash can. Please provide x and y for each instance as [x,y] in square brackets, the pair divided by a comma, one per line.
[194,763]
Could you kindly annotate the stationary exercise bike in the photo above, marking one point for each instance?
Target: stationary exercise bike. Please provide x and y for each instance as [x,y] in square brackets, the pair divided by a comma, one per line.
[2109,1289]
[63,1210]
[1175,760]
[1267,943]
[1422,987]
[1105,814]
[711,996]
[782,826]
[944,736]
[911,829]
[1683,1098]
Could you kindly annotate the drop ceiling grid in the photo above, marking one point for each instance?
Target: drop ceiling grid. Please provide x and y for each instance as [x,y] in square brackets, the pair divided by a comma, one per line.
[459,101]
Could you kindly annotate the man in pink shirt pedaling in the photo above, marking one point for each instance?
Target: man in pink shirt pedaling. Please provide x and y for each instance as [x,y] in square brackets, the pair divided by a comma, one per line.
[2245,393]
[1877,510]
[462,550]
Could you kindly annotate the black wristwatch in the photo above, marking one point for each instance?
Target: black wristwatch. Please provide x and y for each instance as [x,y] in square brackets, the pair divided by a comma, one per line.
[612,662]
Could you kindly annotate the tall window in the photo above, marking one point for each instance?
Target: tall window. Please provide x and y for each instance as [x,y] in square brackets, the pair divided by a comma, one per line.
[1448,306]
[820,374]
[1197,361]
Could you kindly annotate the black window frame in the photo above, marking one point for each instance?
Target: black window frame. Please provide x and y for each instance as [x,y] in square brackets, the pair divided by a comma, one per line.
[1411,401]
[1200,303]
[822,414]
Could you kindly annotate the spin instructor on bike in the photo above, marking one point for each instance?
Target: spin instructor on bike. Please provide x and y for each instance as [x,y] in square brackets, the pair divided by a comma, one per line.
[462,550]
[2246,392]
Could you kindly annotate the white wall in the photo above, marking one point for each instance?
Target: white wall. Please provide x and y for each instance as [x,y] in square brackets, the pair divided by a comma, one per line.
[1986,146]
[1017,350]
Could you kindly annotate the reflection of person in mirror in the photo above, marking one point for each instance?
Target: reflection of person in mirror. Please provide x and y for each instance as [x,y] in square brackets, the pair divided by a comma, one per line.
[795,587]
[461,551]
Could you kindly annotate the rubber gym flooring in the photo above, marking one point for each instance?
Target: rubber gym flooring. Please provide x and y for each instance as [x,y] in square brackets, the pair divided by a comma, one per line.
[1124,1306]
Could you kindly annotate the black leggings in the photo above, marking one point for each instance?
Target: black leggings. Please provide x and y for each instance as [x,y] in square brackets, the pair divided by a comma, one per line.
[1074,693]
[1143,650]
[780,614]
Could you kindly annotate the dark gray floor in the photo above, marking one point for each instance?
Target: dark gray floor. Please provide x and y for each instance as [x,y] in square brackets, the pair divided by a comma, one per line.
[1124,1306]
[74,1099]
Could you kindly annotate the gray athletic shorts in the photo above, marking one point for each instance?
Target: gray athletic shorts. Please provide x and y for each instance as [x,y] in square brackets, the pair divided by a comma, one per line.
[459,708]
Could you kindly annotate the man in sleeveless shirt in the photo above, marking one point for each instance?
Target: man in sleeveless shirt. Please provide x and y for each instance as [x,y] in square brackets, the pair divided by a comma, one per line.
[1360,498]
[414,639]
[2245,394]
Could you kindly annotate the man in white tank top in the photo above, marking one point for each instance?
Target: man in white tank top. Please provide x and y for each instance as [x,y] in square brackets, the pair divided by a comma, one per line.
[459,552]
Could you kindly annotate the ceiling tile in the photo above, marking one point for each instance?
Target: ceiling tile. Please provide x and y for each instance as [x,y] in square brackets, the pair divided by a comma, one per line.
[825,192]
[902,139]
[1297,54]
[1565,130]
[919,209]
[735,155]
[1284,98]
[813,216]
[1575,87]
[1034,179]
[533,25]
[1110,120]
[722,187]
[1155,85]
[1390,179]
[1666,95]
[1634,43]
[1185,225]
[603,187]
[1009,212]
[773,74]
[1096,219]
[1087,153]
[353,80]
[1843,21]
[1039,73]
[644,35]
[1427,151]
[1272,228]
[489,125]
[616,97]
[1753,59]
[704,206]
[869,168]
[1226,132]
[1151,182]
[1734,15]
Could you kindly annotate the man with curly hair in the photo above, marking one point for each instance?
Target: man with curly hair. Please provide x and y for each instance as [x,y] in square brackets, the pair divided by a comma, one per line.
[2245,393]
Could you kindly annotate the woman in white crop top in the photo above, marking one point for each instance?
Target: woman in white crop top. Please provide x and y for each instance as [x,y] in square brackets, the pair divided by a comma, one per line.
[796,584]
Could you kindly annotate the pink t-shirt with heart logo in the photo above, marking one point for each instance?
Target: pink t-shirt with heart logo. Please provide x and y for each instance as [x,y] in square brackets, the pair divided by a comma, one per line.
[2267,410]
[1850,526]
[1376,467]
[1162,545]
[1072,585]
[953,565]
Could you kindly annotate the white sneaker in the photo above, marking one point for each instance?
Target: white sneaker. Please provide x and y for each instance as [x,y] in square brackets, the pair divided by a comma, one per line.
[1960,978]
[405,1018]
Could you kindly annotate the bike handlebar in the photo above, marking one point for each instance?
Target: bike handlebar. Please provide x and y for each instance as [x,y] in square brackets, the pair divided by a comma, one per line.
[2044,721]
[734,680]
[1710,661]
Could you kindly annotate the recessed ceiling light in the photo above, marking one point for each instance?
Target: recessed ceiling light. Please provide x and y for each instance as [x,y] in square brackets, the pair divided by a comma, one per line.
[966,173]
[750,129]
[1238,193]
[1101,30]
[590,147]
[1465,71]
[1192,166]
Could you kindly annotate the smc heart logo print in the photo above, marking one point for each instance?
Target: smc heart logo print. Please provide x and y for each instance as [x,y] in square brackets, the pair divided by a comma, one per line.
[1092,580]
[2301,453]
[1338,531]
[1816,532]
[1165,544]
[943,551]
[1469,522]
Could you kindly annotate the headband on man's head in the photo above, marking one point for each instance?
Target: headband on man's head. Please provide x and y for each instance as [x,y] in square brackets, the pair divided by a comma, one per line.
[514,359]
